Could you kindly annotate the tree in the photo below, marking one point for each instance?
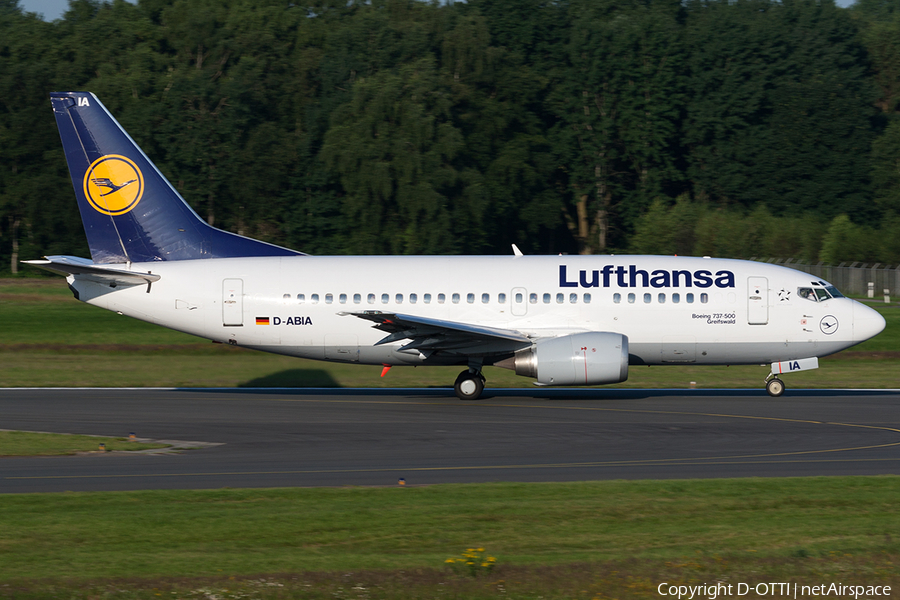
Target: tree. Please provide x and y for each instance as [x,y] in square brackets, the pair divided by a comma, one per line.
[780,107]
[394,146]
[886,168]
[845,241]
[37,212]
[618,108]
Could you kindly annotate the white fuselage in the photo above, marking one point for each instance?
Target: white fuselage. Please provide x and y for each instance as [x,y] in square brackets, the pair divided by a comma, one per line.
[672,309]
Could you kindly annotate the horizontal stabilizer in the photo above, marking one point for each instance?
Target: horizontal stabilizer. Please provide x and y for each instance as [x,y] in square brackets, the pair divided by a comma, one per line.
[72,265]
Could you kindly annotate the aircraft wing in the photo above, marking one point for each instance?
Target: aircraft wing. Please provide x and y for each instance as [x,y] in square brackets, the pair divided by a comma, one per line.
[72,265]
[431,335]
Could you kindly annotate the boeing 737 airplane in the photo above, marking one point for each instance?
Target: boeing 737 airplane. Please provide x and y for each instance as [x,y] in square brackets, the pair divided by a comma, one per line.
[561,320]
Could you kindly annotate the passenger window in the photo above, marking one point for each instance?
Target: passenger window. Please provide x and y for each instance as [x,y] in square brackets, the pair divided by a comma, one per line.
[398,298]
[470,298]
[455,298]
[301,298]
[519,298]
[661,298]
[573,298]
[287,296]
[560,298]
[314,298]
[676,298]
[587,298]
[385,298]
[370,298]
[485,298]
[413,298]
[631,298]
[617,298]
[546,298]
[441,298]
[532,298]
[689,298]
[426,298]
[501,298]
[647,298]
[704,298]
[342,298]
[357,298]
[329,298]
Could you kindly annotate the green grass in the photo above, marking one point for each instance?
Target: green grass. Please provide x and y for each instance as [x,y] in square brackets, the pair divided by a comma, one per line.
[24,443]
[552,541]
[83,536]
[228,367]
[626,578]
[47,338]
[889,339]
[39,312]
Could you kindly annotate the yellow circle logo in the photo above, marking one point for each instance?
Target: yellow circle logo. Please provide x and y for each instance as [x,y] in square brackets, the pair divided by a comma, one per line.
[113,184]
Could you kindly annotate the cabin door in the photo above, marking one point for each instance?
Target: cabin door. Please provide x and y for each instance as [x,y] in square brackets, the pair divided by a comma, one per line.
[757,300]
[519,301]
[233,302]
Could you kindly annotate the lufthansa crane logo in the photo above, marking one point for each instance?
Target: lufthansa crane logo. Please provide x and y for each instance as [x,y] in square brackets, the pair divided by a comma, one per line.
[828,324]
[113,184]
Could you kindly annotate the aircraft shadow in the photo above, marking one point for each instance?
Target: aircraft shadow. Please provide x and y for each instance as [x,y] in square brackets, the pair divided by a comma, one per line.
[294,379]
[535,393]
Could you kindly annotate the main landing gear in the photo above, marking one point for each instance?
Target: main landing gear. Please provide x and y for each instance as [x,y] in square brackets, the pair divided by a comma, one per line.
[469,385]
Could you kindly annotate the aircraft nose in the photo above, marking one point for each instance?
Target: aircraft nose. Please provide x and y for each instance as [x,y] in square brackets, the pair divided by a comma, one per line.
[867,323]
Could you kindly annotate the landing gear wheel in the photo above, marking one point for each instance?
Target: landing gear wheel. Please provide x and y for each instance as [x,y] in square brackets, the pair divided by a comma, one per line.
[469,385]
[775,387]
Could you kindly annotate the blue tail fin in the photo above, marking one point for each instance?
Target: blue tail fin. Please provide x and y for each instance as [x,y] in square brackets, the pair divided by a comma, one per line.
[131,212]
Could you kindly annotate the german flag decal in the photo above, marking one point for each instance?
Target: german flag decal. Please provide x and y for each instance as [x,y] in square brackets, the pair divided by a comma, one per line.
[262,320]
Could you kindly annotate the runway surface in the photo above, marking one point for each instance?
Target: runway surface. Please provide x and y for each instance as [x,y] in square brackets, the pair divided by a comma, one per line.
[277,438]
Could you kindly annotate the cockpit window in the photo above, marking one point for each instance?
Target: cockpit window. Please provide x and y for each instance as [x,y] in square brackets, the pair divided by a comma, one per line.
[819,294]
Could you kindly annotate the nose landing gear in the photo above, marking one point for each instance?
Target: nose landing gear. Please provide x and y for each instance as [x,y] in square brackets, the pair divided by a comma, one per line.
[775,387]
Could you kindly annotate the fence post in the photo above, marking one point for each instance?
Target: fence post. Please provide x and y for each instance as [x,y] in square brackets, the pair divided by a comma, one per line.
[897,281]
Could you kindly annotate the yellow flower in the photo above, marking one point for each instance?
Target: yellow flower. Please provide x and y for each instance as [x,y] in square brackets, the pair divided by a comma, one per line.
[450,560]
[480,550]
[485,564]
[491,559]
[470,549]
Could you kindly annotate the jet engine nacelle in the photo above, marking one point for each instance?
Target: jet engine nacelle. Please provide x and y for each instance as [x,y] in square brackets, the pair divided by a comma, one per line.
[579,359]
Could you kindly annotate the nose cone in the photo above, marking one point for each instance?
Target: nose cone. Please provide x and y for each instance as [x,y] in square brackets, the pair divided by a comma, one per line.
[867,323]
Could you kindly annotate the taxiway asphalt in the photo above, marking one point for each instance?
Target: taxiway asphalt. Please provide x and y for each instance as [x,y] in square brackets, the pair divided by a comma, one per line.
[279,438]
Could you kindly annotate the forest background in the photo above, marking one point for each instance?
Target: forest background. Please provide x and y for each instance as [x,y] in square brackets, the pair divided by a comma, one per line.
[733,128]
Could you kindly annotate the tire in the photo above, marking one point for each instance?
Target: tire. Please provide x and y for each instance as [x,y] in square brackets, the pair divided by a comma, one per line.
[775,387]
[469,386]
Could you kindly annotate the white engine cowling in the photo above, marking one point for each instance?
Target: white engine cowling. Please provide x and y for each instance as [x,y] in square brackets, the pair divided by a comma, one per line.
[579,359]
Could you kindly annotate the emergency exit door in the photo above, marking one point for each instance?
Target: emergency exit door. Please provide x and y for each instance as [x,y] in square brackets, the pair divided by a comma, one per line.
[757,300]
[519,302]
[233,302]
